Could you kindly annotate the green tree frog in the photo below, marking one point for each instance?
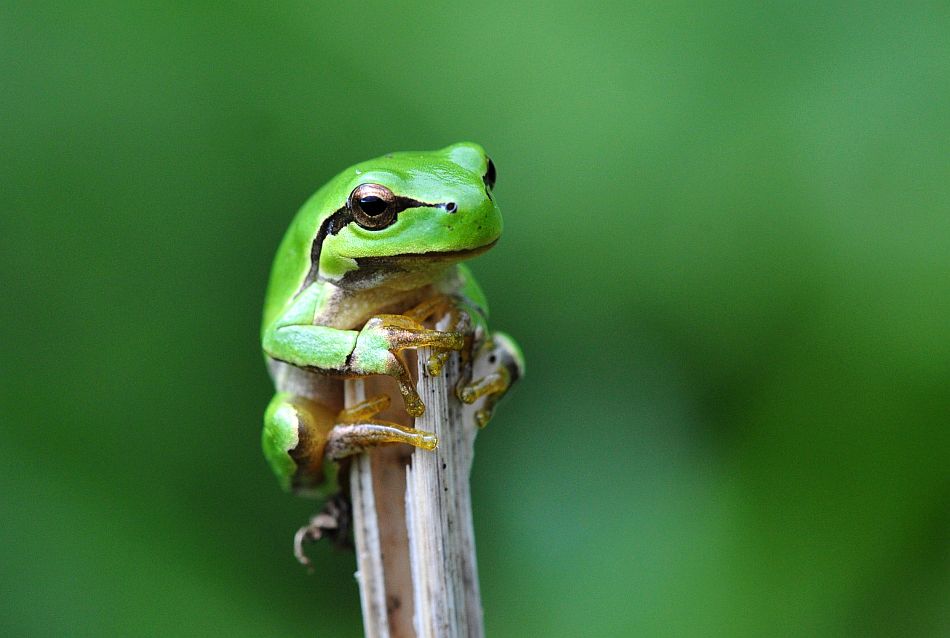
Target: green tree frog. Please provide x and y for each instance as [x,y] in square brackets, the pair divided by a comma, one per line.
[367,260]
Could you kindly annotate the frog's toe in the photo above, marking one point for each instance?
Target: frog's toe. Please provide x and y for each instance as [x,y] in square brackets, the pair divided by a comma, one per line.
[503,358]
[364,410]
[431,307]
[333,522]
[356,438]
[496,382]
[492,386]
[358,431]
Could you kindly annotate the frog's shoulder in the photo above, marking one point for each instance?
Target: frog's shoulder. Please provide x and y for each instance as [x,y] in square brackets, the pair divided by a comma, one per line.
[293,264]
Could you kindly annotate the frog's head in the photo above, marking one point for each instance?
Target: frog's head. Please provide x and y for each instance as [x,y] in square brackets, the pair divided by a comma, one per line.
[402,218]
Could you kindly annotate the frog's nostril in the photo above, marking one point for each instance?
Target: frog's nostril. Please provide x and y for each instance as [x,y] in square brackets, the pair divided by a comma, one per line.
[451,208]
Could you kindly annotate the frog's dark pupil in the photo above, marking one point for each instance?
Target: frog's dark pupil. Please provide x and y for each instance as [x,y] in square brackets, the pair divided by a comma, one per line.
[490,175]
[373,205]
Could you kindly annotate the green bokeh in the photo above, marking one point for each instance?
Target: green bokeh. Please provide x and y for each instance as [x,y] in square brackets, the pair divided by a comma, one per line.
[725,255]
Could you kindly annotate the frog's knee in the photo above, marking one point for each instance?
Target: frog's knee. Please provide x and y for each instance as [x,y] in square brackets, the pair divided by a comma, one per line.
[509,355]
[294,439]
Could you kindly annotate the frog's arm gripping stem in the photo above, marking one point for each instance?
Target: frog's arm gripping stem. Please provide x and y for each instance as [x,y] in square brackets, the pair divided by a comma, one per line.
[375,349]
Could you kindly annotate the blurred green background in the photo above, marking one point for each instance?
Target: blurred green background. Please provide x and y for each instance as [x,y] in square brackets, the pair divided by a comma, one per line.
[726,256]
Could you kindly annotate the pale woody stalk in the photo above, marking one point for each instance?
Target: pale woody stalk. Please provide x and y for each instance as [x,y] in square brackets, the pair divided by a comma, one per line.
[438,557]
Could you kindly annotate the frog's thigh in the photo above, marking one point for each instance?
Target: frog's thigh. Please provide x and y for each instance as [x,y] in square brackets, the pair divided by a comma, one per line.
[295,438]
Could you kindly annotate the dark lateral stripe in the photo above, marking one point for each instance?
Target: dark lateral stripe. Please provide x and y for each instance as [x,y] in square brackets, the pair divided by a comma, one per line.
[337,221]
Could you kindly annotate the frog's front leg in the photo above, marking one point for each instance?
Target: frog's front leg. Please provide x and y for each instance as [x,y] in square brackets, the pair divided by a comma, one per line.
[379,348]
[375,349]
[300,435]
[505,365]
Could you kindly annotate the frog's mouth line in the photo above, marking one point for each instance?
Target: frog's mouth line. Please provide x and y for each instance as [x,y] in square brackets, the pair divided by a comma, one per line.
[428,257]
[375,270]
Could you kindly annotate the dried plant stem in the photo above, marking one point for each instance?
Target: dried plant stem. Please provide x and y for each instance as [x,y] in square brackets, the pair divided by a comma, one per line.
[416,560]
[439,515]
[377,484]
[369,563]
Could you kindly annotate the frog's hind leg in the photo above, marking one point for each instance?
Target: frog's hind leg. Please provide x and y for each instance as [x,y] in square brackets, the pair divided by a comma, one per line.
[357,430]
[333,521]
[300,434]
[294,440]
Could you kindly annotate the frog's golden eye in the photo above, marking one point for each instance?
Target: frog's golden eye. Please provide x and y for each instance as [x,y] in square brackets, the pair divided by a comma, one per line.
[373,206]
[490,175]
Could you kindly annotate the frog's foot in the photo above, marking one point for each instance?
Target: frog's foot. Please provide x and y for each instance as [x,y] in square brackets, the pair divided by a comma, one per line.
[332,522]
[379,351]
[506,364]
[493,386]
[437,307]
[358,430]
